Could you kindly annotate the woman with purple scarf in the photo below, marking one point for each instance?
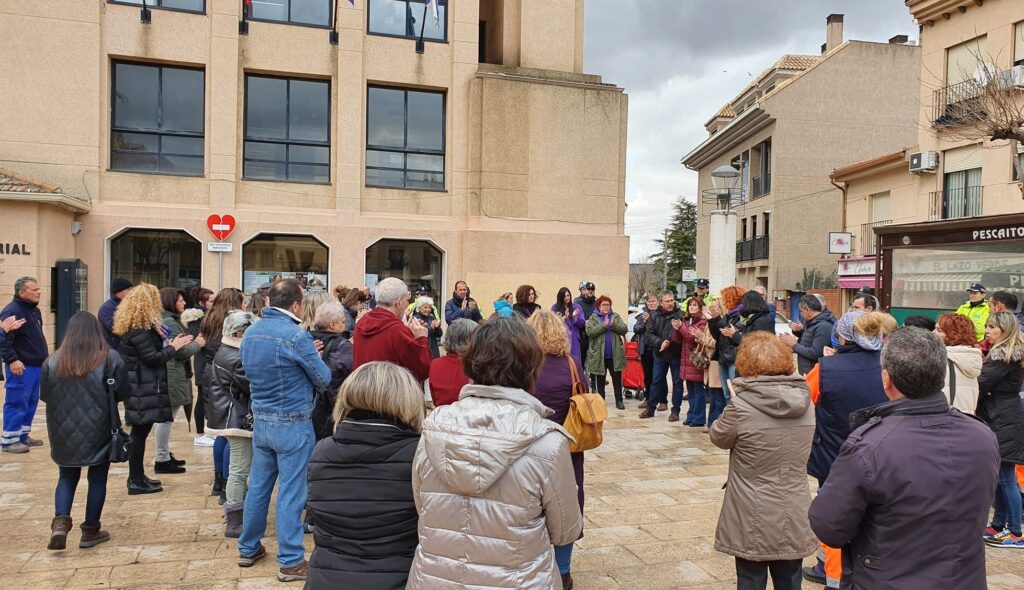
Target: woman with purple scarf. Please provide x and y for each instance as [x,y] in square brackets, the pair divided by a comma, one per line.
[572,314]
[607,351]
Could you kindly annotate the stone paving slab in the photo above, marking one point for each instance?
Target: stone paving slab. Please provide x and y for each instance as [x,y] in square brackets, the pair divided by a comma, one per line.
[654,491]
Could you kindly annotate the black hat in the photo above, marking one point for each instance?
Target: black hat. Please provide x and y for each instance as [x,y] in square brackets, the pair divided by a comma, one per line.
[702,283]
[422,290]
[976,287]
[120,284]
[585,284]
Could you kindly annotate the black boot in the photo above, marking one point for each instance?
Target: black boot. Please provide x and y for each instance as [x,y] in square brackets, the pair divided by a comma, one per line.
[176,461]
[618,402]
[141,486]
[218,485]
[152,482]
[168,466]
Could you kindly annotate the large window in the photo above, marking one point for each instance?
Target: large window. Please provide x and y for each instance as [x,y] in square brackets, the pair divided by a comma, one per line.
[298,12]
[937,277]
[405,139]
[185,5]
[157,119]
[287,130]
[272,257]
[165,258]
[406,18]
[416,262]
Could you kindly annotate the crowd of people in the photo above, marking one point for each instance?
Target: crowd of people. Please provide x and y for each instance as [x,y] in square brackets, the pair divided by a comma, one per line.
[432,454]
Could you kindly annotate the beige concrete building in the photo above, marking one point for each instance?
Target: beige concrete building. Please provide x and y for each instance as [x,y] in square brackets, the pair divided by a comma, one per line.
[945,212]
[785,132]
[491,157]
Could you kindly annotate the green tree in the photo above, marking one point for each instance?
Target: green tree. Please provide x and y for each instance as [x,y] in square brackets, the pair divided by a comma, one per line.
[682,243]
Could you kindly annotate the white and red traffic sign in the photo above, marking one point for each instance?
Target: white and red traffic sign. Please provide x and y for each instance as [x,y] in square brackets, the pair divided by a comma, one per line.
[220,226]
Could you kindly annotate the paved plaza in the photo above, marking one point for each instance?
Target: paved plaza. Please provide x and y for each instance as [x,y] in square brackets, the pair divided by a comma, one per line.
[653,495]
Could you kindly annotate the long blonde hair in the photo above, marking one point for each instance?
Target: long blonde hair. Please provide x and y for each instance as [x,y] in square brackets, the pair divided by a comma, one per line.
[1012,343]
[551,333]
[382,388]
[139,310]
[310,303]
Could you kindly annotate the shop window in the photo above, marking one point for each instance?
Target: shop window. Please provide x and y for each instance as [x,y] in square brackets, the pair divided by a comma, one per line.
[405,18]
[297,12]
[287,130]
[157,119]
[272,257]
[165,258]
[416,262]
[937,277]
[182,5]
[405,139]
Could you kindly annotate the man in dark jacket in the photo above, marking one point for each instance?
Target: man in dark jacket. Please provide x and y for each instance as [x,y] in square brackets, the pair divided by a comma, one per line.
[119,289]
[660,338]
[382,336]
[461,305]
[816,335]
[914,469]
[24,351]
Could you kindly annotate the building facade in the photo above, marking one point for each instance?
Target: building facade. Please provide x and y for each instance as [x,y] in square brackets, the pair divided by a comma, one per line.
[946,212]
[799,120]
[340,153]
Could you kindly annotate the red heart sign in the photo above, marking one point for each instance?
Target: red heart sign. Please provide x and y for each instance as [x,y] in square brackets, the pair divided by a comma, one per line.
[220,227]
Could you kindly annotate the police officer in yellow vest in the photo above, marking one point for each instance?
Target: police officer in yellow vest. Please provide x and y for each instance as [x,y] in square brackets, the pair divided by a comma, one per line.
[976,308]
[703,291]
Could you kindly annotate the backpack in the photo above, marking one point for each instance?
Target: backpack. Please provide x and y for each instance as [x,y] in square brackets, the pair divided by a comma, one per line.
[587,413]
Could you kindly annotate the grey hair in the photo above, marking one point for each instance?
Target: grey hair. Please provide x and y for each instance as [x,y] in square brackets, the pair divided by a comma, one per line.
[662,294]
[22,282]
[238,321]
[459,334]
[327,314]
[390,291]
[916,361]
[421,301]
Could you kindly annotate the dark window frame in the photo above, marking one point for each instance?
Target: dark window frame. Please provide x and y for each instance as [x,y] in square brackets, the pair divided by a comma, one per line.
[132,231]
[154,132]
[406,151]
[269,236]
[285,142]
[369,5]
[156,5]
[329,25]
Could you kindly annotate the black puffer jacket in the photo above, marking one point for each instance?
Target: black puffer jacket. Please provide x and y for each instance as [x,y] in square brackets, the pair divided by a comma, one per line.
[725,347]
[208,352]
[360,496]
[999,403]
[146,357]
[659,329]
[78,411]
[228,400]
[337,354]
[817,334]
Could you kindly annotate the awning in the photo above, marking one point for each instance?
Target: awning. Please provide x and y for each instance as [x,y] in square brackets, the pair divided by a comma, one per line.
[938,282]
[856,281]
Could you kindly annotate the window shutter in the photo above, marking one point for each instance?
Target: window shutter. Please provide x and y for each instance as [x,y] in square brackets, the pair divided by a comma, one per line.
[962,60]
[880,207]
[962,158]
[1018,42]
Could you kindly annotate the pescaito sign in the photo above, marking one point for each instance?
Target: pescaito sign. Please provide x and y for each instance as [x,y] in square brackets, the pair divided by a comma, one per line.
[997,234]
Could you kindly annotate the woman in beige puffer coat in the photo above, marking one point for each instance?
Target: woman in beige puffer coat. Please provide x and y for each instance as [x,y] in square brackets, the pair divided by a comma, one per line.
[492,479]
[957,332]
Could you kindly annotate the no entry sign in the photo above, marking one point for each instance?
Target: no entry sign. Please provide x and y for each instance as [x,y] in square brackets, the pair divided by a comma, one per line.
[220,226]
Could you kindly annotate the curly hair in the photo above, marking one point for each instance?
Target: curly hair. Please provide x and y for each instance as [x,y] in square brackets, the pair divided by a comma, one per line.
[731,297]
[763,354]
[523,294]
[957,330]
[140,310]
[551,333]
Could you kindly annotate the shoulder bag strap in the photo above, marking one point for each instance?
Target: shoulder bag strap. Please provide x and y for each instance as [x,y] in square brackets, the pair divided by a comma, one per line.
[577,383]
[109,382]
[952,382]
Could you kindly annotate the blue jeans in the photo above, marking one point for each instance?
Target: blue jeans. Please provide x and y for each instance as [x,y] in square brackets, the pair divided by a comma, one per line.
[659,387]
[20,402]
[563,557]
[716,395]
[726,373]
[281,447]
[221,456]
[67,483]
[697,400]
[1008,501]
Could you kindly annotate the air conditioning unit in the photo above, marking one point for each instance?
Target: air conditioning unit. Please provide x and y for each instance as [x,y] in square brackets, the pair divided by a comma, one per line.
[1010,78]
[924,162]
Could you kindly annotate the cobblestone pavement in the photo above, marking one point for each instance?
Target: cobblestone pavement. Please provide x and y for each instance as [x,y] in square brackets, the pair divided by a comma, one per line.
[653,495]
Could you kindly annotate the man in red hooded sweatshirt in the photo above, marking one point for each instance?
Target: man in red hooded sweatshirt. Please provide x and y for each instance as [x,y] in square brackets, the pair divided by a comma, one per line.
[385,334]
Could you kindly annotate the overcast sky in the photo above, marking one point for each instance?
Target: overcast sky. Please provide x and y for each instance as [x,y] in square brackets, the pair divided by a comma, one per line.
[681,60]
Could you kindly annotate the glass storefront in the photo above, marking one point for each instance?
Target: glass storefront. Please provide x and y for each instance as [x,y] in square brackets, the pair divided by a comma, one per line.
[936,277]
[272,257]
[416,262]
[165,258]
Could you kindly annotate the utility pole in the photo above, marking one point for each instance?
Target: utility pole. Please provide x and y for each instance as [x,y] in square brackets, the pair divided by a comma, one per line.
[664,262]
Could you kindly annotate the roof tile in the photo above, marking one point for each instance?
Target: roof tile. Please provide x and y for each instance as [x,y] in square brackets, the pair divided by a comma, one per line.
[12,182]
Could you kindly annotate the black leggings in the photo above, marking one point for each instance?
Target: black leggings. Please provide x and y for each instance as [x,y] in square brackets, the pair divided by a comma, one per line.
[199,410]
[136,456]
[616,379]
[647,362]
[67,483]
[753,575]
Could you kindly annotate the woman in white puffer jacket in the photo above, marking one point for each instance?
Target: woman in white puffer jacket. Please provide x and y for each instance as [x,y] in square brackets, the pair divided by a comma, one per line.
[492,479]
[957,331]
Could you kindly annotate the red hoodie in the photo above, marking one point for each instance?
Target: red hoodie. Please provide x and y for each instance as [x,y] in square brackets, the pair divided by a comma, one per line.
[381,336]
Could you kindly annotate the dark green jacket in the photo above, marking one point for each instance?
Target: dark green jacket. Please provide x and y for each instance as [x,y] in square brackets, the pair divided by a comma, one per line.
[595,353]
[178,383]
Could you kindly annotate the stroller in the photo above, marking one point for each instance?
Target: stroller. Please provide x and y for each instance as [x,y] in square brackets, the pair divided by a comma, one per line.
[633,376]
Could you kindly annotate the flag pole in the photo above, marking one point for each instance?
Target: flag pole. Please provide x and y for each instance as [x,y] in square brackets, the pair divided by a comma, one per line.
[145,17]
[420,46]
[243,25]
[332,38]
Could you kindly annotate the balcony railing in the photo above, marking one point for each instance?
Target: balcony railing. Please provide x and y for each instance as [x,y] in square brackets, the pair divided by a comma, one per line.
[955,203]
[753,249]
[867,236]
[956,104]
[761,186]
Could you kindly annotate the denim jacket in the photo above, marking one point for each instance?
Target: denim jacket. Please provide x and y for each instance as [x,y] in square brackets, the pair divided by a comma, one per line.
[283,368]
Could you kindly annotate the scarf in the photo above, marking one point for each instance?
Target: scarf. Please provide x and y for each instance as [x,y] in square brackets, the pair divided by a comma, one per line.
[844,329]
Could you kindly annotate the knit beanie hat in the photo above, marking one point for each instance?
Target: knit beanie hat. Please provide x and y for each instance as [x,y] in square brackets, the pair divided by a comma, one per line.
[120,284]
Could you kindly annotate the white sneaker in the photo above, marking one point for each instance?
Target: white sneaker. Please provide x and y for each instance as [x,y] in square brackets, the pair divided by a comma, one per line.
[204,441]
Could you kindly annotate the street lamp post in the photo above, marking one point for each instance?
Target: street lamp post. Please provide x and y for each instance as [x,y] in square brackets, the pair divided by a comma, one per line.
[726,194]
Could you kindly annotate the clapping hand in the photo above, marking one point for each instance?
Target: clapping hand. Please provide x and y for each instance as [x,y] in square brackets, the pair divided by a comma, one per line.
[729,331]
[11,323]
[318,345]
[788,339]
[435,324]
[418,329]
[664,346]
[676,324]
[181,341]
